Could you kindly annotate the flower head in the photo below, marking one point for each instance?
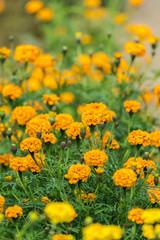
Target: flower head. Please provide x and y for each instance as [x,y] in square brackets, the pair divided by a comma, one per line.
[95,157]
[22,115]
[63,121]
[139,137]
[31,144]
[135,48]
[33,6]
[4,52]
[26,53]
[50,99]
[13,212]
[151,216]
[132,106]
[11,91]
[2,203]
[135,215]
[125,177]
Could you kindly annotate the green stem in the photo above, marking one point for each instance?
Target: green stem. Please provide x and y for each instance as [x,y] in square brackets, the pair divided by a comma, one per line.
[133,232]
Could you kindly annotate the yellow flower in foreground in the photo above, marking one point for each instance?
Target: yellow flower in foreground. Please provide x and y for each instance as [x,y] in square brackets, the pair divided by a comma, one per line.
[62,237]
[151,216]
[154,195]
[151,232]
[125,177]
[60,212]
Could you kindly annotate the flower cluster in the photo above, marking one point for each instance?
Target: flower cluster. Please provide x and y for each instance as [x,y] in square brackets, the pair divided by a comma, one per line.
[74,130]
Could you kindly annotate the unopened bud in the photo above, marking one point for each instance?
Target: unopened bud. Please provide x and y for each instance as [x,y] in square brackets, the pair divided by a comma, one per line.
[146,156]
[134,167]
[116,124]
[114,117]
[149,169]
[69,230]
[64,50]
[47,230]
[51,120]
[39,134]
[69,143]
[81,159]
[138,175]
[63,144]
[9,132]
[11,38]
[88,221]
[2,113]
[82,132]
[54,108]
[156,179]
[101,125]
[13,148]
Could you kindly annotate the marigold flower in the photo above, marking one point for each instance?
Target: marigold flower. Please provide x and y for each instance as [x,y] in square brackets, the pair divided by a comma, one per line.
[78,172]
[2,203]
[92,3]
[95,157]
[44,61]
[120,18]
[26,53]
[135,215]
[153,40]
[13,212]
[19,164]
[2,6]
[74,128]
[33,6]
[39,123]
[49,138]
[86,39]
[50,99]
[4,52]
[150,181]
[33,165]
[155,138]
[136,3]
[11,91]
[102,61]
[84,62]
[86,197]
[60,212]
[132,106]
[50,82]
[147,96]
[151,216]
[45,14]
[63,120]
[140,164]
[140,30]
[125,177]
[97,231]
[95,13]
[99,170]
[69,77]
[31,144]
[156,90]
[62,237]
[8,178]
[154,195]
[5,159]
[150,231]
[21,115]
[45,200]
[135,48]
[67,97]
[139,137]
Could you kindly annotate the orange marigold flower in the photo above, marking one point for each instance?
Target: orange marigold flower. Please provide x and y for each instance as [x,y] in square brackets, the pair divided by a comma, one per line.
[140,30]
[68,77]
[78,172]
[92,3]
[33,165]
[2,6]
[21,115]
[136,3]
[147,96]
[45,200]
[74,129]
[45,14]
[31,144]
[84,62]
[44,61]
[26,53]
[33,6]
[67,97]
[60,212]
[4,52]
[95,157]
[95,13]
[39,123]
[135,215]
[2,203]
[120,18]
[156,90]
[5,159]
[140,164]
[155,138]
[102,61]
[50,82]
[49,138]
[11,91]
[125,177]
[63,120]
[50,99]
[153,40]
[19,164]
[13,212]
[154,195]
[62,237]
[135,48]
[139,137]
[132,106]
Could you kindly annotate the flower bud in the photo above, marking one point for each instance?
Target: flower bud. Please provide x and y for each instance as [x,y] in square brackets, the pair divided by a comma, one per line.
[114,117]
[156,179]
[1,217]
[146,156]
[88,221]
[64,50]
[33,216]
[81,159]
[9,132]
[51,120]
[63,144]
[11,38]
[101,125]
[69,143]
[138,175]
[2,113]
[47,230]
[8,178]
[39,134]
[82,132]
[13,148]
[116,124]
[149,169]
[134,167]
[69,230]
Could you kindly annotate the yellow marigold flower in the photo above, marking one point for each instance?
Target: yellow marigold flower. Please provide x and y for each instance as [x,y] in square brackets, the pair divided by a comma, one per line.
[156,90]
[95,157]
[118,55]
[21,115]
[136,3]
[60,31]
[19,164]
[74,128]
[8,178]
[151,232]
[97,231]
[60,212]
[38,74]
[140,164]
[63,120]
[155,138]
[154,195]
[33,216]
[95,13]
[5,108]
[140,30]
[108,139]
[13,212]
[31,144]
[26,53]
[151,216]
[135,215]
[45,14]
[125,177]
[62,237]
[50,82]
[50,99]
[120,18]
[49,138]
[99,170]
[4,52]
[2,203]
[139,137]
[147,96]
[33,165]
[132,106]
[11,91]
[67,97]
[102,61]
[45,200]
[33,6]
[5,159]
[92,3]
[135,48]
[44,61]
[153,40]
[1,214]
[39,123]
[78,172]
[2,6]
